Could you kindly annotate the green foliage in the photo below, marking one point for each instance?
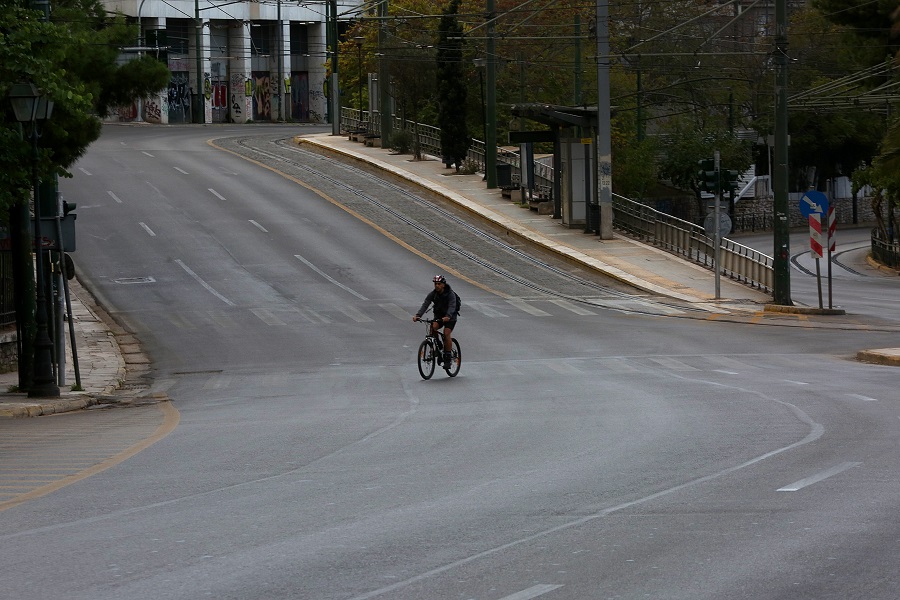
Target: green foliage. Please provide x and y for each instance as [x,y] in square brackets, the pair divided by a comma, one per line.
[452,89]
[73,60]
[401,141]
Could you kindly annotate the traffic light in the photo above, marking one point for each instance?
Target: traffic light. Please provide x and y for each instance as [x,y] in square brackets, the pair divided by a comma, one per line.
[706,176]
[730,180]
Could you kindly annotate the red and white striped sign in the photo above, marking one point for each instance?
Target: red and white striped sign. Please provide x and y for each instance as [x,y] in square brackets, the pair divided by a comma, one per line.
[815,234]
[817,241]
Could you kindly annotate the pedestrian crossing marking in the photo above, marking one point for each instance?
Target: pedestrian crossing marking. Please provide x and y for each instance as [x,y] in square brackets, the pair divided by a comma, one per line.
[313,316]
[563,368]
[572,307]
[355,314]
[267,316]
[674,365]
[526,307]
[486,310]
[396,310]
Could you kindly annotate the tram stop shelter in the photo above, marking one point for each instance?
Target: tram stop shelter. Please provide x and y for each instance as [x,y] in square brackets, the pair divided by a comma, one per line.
[573,131]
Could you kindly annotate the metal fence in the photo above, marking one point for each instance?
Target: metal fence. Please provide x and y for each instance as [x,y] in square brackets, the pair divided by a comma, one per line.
[7,302]
[651,226]
[690,241]
[885,251]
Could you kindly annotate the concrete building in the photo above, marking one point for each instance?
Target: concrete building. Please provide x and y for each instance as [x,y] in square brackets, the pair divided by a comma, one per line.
[259,61]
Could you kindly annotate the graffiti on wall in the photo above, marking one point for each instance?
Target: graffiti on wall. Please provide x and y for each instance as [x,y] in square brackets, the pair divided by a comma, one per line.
[262,96]
[179,98]
[152,111]
[300,96]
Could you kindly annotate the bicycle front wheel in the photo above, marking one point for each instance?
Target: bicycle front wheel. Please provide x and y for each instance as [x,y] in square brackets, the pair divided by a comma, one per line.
[426,359]
[456,361]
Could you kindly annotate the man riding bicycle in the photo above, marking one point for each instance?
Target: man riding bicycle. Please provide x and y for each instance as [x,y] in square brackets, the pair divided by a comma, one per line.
[445,312]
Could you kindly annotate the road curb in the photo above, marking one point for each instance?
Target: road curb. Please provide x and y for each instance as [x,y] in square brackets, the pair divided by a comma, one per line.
[803,310]
[881,356]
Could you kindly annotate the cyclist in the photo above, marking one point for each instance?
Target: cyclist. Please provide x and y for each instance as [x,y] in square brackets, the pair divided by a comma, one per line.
[445,312]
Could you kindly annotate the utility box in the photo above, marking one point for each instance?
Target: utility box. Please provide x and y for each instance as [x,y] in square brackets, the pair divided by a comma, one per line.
[577,188]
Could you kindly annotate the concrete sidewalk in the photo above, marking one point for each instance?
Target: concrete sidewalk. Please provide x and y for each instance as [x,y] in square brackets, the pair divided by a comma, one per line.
[108,357]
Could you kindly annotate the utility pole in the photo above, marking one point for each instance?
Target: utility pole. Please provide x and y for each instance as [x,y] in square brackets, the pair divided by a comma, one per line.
[333,88]
[490,136]
[604,140]
[280,53]
[384,78]
[200,102]
[782,252]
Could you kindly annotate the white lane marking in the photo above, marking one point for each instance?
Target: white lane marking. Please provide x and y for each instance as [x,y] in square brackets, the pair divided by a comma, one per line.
[216,194]
[329,278]
[486,310]
[572,307]
[724,371]
[85,171]
[147,229]
[524,306]
[114,197]
[863,398]
[180,170]
[203,283]
[397,311]
[532,592]
[147,153]
[818,477]
[258,226]
[796,382]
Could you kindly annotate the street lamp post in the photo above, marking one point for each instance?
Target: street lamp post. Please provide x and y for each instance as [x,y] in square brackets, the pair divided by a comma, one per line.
[30,106]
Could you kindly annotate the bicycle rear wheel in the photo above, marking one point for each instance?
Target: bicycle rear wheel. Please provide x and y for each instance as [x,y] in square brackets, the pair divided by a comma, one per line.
[426,359]
[455,362]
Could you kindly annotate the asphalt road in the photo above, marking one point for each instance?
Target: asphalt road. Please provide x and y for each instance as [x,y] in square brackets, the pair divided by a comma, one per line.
[582,452]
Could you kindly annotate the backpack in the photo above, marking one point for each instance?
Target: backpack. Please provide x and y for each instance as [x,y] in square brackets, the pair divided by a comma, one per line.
[458,303]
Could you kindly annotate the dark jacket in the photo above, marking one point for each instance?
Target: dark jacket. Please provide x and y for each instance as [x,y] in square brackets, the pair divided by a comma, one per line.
[444,304]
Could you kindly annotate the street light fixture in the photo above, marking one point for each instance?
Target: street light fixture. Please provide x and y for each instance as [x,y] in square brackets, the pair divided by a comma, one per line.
[30,106]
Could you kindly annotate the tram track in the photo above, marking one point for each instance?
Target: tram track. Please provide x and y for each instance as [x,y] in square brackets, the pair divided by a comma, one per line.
[389,200]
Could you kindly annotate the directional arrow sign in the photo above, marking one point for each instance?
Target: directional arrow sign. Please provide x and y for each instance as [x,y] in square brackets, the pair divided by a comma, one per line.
[813,203]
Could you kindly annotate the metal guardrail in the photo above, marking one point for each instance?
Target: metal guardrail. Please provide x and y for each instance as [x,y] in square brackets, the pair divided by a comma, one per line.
[651,226]
[690,241]
[886,252]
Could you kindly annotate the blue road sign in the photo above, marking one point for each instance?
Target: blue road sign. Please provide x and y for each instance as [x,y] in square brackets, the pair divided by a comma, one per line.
[813,202]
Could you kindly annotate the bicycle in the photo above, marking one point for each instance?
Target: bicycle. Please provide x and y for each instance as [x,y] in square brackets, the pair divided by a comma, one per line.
[431,352]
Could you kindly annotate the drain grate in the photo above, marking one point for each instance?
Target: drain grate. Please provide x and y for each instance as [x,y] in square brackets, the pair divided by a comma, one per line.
[133,280]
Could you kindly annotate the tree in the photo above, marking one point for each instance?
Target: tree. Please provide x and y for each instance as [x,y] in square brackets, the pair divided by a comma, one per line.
[686,146]
[72,59]
[452,90]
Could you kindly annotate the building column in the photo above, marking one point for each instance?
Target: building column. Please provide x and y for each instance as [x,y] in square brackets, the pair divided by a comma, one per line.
[241,83]
[318,108]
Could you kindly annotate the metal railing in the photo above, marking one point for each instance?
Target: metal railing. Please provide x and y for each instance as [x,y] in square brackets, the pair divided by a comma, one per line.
[886,252]
[690,241]
[651,226]
[7,292]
